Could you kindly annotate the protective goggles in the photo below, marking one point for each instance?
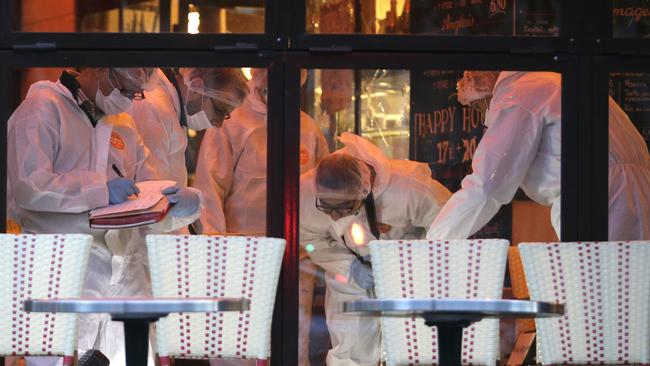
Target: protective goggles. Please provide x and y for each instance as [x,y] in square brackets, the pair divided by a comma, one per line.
[343,209]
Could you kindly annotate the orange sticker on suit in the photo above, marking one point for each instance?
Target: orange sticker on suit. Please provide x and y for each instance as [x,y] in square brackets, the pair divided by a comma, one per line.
[116,141]
[304,155]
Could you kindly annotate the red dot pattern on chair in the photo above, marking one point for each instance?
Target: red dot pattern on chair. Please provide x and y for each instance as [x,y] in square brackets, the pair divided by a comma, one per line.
[623,301]
[559,291]
[183,277]
[23,272]
[406,276]
[33,269]
[438,285]
[425,269]
[605,288]
[54,286]
[473,270]
[589,259]
[248,279]
[441,274]
[216,286]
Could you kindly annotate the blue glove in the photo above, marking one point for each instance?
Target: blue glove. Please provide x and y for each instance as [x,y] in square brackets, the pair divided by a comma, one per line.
[119,190]
[362,274]
[186,202]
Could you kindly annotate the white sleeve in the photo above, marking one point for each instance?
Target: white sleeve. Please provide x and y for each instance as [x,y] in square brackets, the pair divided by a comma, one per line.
[426,201]
[214,177]
[154,136]
[499,166]
[32,148]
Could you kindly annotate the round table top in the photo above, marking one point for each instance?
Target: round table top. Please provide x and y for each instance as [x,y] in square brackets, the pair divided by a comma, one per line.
[136,307]
[471,307]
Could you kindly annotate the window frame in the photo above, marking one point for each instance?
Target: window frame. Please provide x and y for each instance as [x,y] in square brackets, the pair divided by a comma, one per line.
[604,37]
[274,37]
[422,42]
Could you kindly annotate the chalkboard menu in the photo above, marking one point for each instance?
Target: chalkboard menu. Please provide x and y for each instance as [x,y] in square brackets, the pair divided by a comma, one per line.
[632,92]
[445,134]
[631,18]
[486,17]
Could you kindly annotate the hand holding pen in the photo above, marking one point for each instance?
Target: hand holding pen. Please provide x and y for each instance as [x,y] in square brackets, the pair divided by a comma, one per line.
[119,189]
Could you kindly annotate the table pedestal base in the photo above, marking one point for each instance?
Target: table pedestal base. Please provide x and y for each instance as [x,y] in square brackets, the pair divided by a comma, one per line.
[450,333]
[136,339]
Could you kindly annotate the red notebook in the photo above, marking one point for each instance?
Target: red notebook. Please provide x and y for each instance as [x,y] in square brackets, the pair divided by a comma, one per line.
[150,206]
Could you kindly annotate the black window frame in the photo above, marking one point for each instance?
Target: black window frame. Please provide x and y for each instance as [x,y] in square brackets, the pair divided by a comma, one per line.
[604,40]
[585,53]
[274,37]
[423,42]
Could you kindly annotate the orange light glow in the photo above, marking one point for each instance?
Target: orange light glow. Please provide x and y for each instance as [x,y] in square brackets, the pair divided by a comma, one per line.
[358,236]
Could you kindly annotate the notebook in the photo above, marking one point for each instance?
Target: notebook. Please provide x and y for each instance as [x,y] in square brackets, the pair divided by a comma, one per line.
[148,207]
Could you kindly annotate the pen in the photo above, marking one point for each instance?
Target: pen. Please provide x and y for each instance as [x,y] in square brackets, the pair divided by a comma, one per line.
[119,173]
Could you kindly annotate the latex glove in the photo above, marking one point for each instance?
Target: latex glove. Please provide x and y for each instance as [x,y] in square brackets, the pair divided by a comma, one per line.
[362,274]
[186,202]
[119,190]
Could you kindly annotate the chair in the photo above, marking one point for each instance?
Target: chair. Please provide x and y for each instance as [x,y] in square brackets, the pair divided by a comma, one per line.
[525,328]
[216,266]
[461,269]
[606,289]
[40,266]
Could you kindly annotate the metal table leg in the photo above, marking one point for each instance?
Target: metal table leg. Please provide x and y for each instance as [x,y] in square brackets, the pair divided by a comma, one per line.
[450,342]
[450,335]
[136,340]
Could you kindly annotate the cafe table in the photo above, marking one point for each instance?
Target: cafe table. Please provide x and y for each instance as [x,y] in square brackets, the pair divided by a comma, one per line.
[136,314]
[450,316]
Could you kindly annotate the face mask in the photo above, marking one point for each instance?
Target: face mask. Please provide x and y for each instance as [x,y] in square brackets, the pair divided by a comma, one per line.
[198,121]
[115,103]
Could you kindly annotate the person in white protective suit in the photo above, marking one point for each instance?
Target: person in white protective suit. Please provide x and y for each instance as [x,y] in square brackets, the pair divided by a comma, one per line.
[231,169]
[64,139]
[231,172]
[353,196]
[522,148]
[186,98]
[195,98]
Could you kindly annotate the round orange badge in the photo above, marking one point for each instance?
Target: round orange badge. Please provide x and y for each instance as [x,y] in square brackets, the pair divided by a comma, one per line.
[116,141]
[304,155]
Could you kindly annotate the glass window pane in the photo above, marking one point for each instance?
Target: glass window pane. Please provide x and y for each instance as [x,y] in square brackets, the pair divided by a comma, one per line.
[74,151]
[406,136]
[139,16]
[629,161]
[631,18]
[520,18]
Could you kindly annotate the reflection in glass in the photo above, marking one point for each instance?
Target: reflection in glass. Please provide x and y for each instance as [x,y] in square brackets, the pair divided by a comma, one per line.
[629,160]
[417,116]
[243,16]
[231,168]
[438,17]
[82,140]
[631,18]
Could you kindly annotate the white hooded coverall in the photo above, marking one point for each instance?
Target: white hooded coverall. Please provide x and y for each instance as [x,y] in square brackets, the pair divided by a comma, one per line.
[59,166]
[406,200]
[231,169]
[522,148]
[157,118]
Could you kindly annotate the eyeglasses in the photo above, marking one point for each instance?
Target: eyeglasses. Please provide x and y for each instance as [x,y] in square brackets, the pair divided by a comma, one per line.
[344,209]
[131,94]
[223,113]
